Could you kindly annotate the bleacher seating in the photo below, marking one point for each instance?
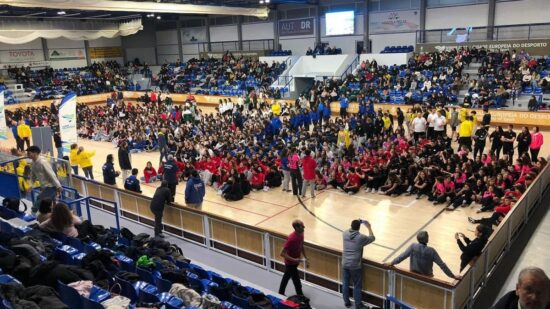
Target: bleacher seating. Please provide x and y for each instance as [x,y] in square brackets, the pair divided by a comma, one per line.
[397,49]
[280,53]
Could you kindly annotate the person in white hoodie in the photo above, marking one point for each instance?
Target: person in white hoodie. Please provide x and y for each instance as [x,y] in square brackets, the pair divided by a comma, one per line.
[352,256]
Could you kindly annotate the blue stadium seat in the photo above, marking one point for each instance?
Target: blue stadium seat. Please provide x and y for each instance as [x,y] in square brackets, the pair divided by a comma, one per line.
[69,295]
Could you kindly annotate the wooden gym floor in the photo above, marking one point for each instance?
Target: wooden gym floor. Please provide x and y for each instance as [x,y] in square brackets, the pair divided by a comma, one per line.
[395,221]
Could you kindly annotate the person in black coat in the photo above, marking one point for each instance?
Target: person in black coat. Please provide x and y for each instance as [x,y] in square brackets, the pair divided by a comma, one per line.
[161,197]
[171,175]
[532,291]
[471,248]
[234,192]
[124,160]
[109,173]
[58,144]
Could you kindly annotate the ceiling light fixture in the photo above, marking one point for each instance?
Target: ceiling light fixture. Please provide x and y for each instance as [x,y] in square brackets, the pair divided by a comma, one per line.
[158,17]
[261,1]
[61,13]
[266,1]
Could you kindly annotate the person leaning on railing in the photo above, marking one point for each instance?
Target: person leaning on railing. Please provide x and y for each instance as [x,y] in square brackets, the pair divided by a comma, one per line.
[422,258]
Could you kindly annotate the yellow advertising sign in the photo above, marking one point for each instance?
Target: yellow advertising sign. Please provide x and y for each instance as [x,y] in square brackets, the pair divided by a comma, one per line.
[105,52]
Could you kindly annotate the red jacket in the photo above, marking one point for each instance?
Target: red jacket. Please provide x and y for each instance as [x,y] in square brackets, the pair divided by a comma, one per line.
[258,179]
[149,173]
[309,165]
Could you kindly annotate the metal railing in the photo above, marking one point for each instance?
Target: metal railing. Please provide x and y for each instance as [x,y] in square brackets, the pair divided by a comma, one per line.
[508,32]
[247,45]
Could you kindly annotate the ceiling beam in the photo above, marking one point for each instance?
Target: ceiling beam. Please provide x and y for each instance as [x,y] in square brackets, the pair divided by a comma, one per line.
[142,7]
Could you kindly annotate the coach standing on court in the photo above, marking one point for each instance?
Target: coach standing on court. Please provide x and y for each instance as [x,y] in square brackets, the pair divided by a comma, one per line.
[171,175]
[352,256]
[162,197]
[344,103]
[293,250]
[124,160]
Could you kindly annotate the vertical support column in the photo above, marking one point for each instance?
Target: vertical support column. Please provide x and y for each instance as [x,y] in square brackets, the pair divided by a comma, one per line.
[366,19]
[180,47]
[318,24]
[87,49]
[491,19]
[45,49]
[275,29]
[267,251]
[422,37]
[208,42]
[240,32]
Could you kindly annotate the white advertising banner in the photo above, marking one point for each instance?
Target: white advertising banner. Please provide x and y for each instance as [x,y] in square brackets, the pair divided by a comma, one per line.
[21,56]
[394,21]
[3,127]
[67,121]
[67,54]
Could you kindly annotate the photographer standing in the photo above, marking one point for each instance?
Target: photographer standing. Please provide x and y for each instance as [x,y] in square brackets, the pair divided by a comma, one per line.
[351,261]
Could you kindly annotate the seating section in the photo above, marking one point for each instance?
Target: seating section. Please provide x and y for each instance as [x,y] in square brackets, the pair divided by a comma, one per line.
[281,53]
[141,269]
[47,84]
[397,49]
[228,76]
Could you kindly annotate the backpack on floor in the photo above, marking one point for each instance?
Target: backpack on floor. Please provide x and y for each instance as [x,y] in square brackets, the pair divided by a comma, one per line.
[14,204]
[301,301]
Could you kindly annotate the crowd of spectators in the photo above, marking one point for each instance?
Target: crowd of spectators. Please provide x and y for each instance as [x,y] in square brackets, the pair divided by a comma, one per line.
[323,49]
[49,83]
[214,75]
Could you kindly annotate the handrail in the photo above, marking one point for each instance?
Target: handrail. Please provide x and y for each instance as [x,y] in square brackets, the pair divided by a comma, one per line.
[350,67]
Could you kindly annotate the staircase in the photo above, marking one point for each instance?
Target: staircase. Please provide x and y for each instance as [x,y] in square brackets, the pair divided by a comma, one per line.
[15,92]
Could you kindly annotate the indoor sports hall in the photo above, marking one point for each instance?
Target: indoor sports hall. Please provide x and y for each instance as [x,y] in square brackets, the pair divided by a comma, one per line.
[407,117]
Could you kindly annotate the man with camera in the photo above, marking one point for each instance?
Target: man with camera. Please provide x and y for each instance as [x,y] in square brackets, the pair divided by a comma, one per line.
[352,256]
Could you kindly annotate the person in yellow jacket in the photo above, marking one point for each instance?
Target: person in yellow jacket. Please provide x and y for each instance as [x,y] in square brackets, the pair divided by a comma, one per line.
[276,108]
[463,112]
[73,158]
[465,133]
[84,159]
[24,132]
[387,122]
[343,138]
[24,173]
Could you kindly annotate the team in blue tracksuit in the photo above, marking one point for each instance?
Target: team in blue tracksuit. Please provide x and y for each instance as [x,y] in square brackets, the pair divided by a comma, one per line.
[194,190]
[344,103]
[171,175]
[132,183]
[109,174]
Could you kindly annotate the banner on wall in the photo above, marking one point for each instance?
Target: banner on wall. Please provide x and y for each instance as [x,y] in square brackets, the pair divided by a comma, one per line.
[248,54]
[33,64]
[21,56]
[3,126]
[105,52]
[535,47]
[67,54]
[301,26]
[394,21]
[67,121]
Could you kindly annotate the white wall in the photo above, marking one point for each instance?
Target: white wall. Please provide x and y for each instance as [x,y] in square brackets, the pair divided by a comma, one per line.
[457,16]
[167,46]
[258,31]
[387,59]
[223,33]
[522,12]
[379,41]
[298,45]
[327,65]
[145,54]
